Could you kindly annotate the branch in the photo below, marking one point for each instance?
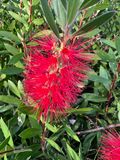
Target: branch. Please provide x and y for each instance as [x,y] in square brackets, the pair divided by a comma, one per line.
[98,129]
[30,18]
[16,150]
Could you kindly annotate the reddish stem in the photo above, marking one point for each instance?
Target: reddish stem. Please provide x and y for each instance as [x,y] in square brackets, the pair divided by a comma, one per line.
[112,88]
[20,7]
[81,21]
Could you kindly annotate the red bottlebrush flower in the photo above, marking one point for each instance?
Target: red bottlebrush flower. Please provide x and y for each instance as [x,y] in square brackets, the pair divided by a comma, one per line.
[110,146]
[54,75]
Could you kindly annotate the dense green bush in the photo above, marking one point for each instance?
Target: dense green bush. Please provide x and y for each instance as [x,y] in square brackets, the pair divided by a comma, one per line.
[71,137]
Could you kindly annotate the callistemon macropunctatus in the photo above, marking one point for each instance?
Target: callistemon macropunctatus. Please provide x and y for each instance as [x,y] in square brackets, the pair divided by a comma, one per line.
[110,146]
[54,74]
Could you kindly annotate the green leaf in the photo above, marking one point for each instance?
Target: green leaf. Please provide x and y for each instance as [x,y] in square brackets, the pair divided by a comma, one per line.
[15,58]
[81,110]
[20,87]
[106,57]
[24,155]
[71,133]
[88,3]
[16,122]
[93,97]
[57,134]
[5,157]
[18,17]
[49,17]
[99,79]
[88,141]
[34,122]
[51,128]
[13,88]
[113,66]
[64,2]
[72,154]
[38,21]
[108,42]
[92,33]
[10,100]
[95,23]
[6,132]
[11,71]
[54,145]
[9,36]
[60,13]
[73,7]
[11,49]
[4,52]
[35,2]
[5,108]
[118,44]
[4,143]
[30,132]
[100,6]
[103,72]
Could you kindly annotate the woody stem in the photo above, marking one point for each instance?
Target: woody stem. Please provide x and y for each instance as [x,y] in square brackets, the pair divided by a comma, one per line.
[98,129]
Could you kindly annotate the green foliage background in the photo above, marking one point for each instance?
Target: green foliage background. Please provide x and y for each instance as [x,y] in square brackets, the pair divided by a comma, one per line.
[20,132]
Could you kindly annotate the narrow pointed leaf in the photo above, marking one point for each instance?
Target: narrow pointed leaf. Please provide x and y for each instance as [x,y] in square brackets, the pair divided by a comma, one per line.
[18,17]
[72,134]
[95,23]
[93,97]
[64,2]
[73,7]
[4,143]
[108,42]
[11,71]
[60,13]
[54,145]
[88,3]
[72,154]
[51,128]
[14,88]
[6,132]
[81,110]
[87,142]
[10,100]
[11,49]
[9,36]
[49,17]
[16,58]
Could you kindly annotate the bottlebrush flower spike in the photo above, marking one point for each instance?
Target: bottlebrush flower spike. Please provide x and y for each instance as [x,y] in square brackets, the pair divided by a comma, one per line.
[54,74]
[110,146]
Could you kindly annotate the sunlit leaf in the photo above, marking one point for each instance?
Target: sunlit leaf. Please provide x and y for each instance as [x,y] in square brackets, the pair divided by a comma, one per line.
[4,143]
[6,132]
[71,133]
[54,145]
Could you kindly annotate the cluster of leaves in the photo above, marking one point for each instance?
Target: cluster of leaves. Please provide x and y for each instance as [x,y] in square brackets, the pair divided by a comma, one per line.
[20,132]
